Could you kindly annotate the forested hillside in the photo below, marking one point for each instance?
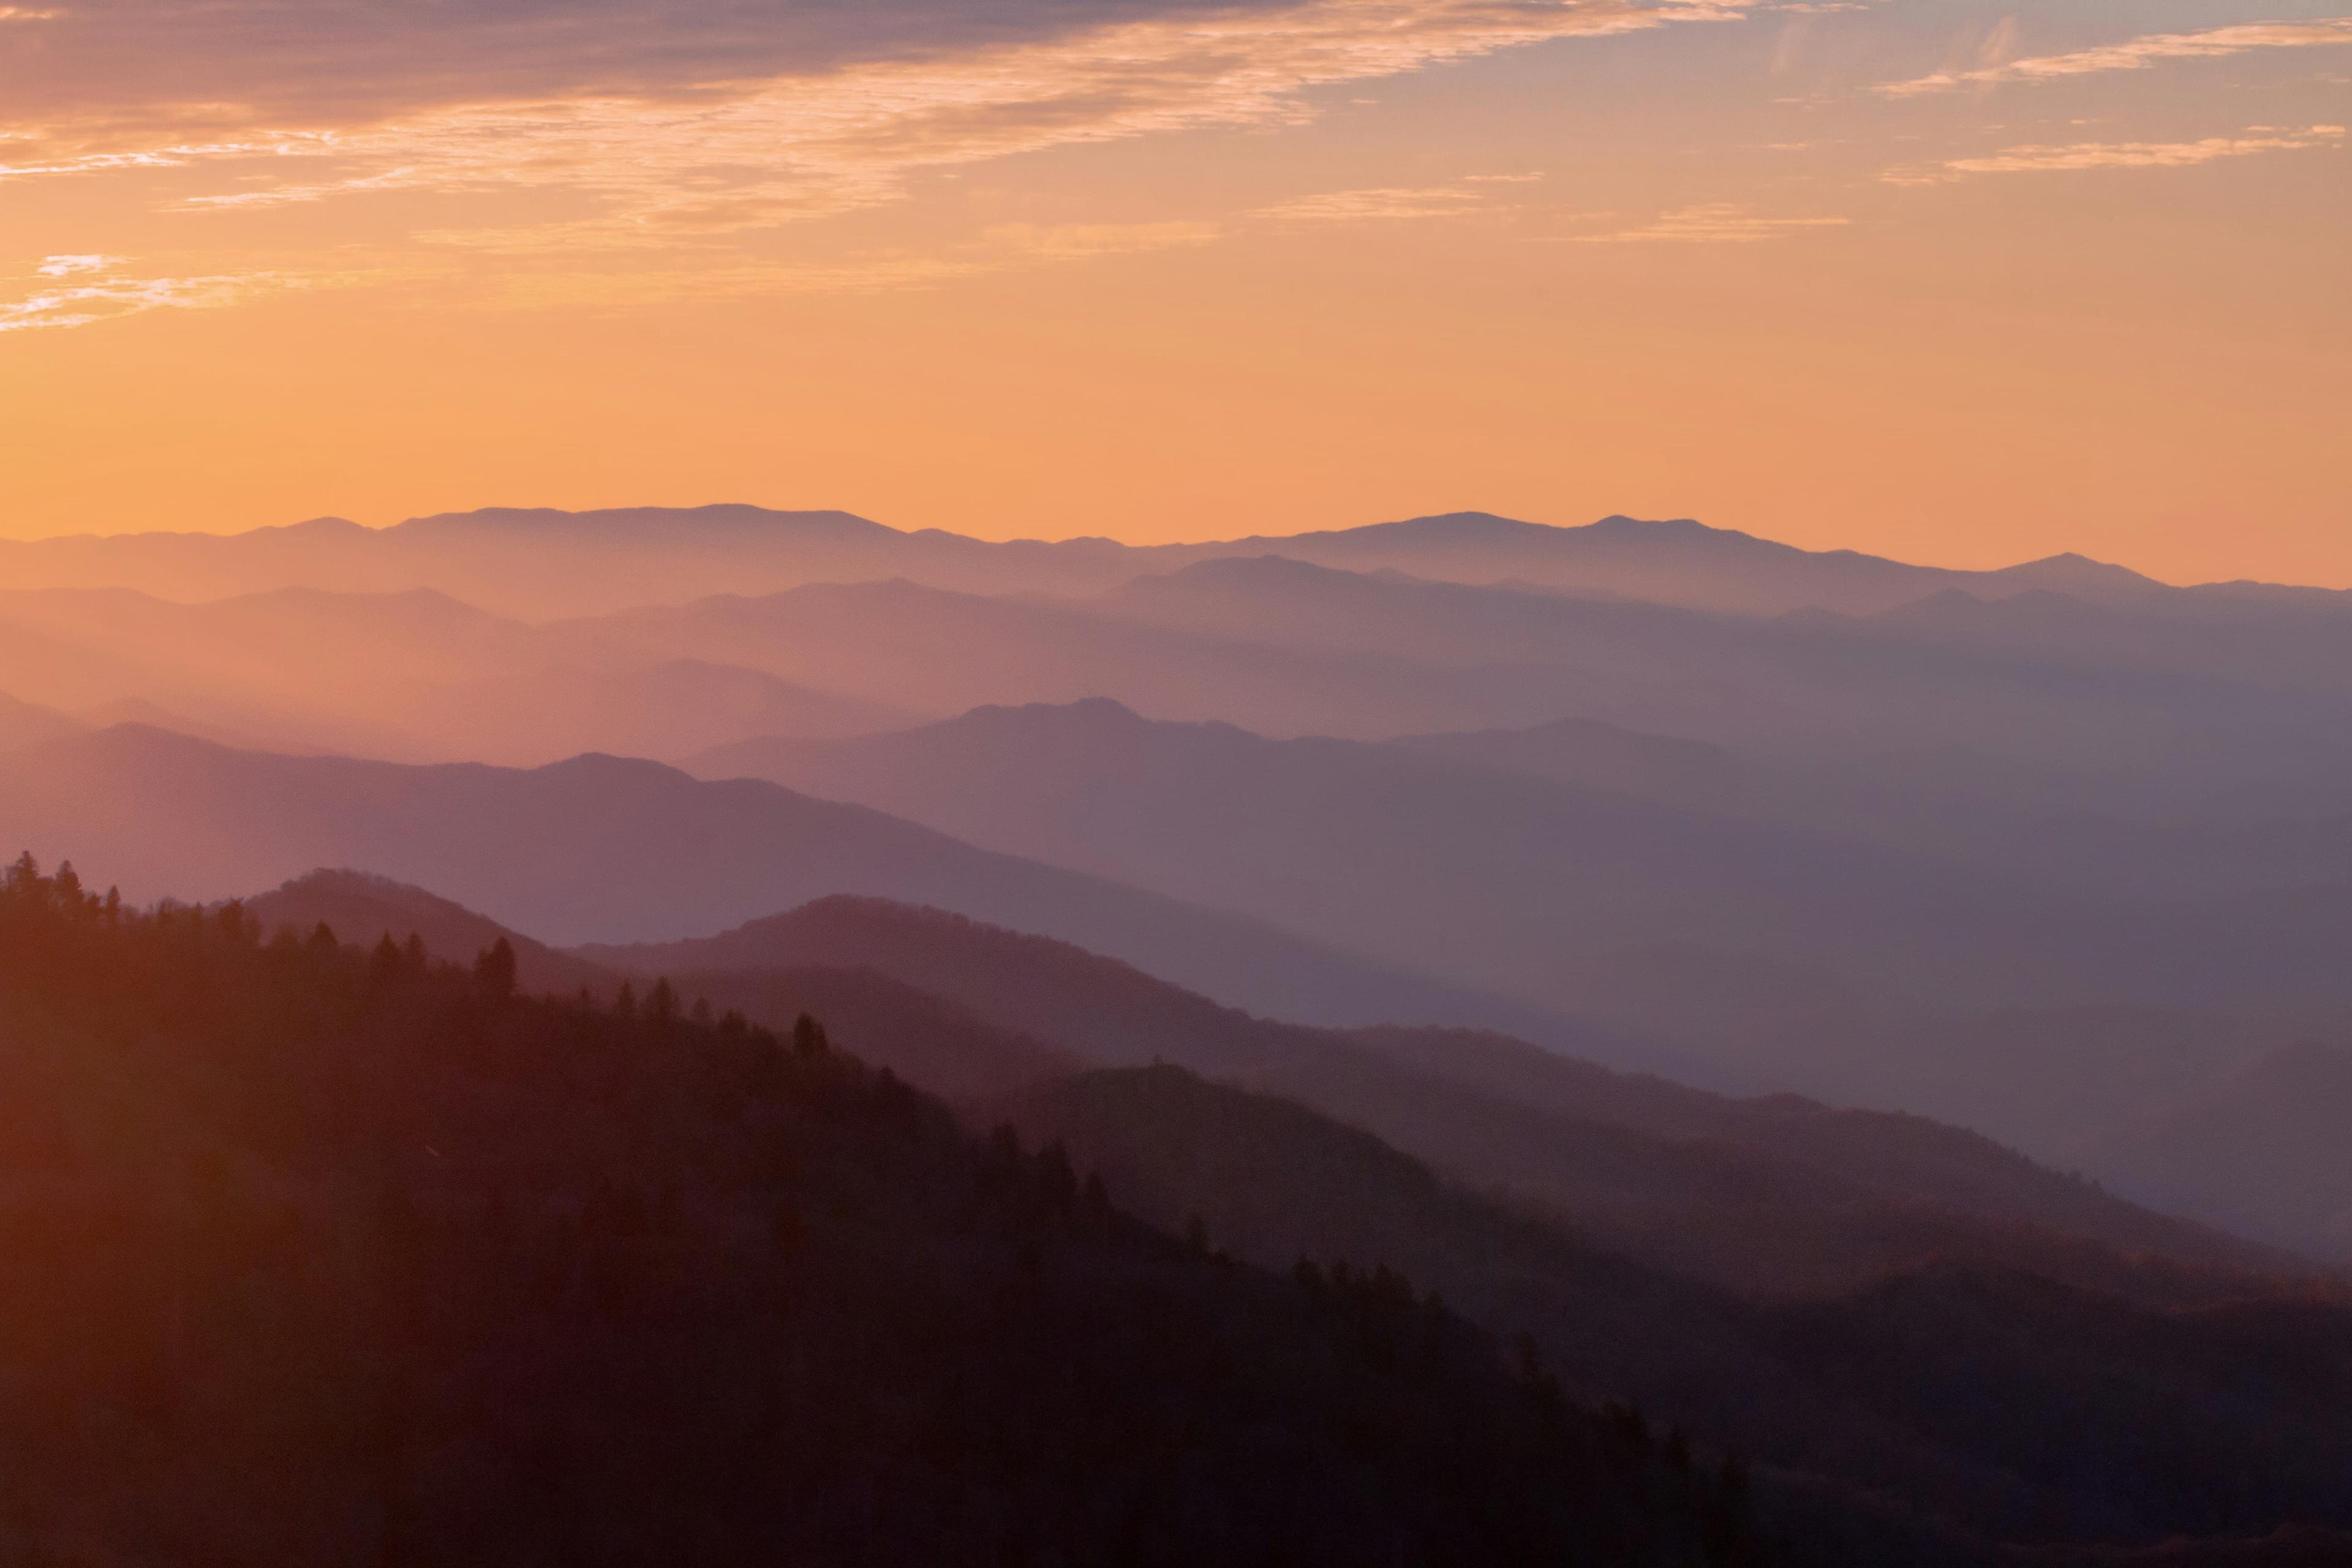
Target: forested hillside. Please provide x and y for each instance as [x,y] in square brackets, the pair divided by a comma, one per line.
[318,1253]
[2029,1409]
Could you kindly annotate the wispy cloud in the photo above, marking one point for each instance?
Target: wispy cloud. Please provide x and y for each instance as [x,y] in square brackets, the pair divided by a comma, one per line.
[1027,242]
[727,159]
[999,248]
[67,266]
[90,298]
[1473,193]
[2135,54]
[1719,222]
[2118,154]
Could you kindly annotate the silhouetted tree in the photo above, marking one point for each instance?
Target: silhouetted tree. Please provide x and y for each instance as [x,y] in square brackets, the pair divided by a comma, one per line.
[808,1036]
[494,970]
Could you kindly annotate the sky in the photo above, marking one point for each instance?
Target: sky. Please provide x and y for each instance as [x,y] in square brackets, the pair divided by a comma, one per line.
[1960,283]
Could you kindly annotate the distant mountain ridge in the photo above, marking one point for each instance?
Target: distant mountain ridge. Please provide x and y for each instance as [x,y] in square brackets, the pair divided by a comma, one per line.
[1672,1174]
[619,850]
[414,675]
[1542,887]
[587,563]
[2139,704]
[1277,1180]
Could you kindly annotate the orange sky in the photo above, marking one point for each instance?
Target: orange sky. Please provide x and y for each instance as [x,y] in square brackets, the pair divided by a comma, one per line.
[1944,282]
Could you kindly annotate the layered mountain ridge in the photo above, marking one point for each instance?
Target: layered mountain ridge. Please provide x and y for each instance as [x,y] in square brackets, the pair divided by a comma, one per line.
[583,561]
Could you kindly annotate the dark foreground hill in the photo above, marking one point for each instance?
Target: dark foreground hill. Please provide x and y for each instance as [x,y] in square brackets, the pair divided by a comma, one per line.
[2029,1409]
[361,906]
[316,1253]
[933,1043]
[1886,1387]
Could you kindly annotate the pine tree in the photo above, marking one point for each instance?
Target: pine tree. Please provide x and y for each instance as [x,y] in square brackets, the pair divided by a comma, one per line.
[494,970]
[808,1037]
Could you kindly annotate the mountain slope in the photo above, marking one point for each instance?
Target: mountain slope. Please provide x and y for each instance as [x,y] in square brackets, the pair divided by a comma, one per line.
[28,725]
[1512,883]
[2265,1150]
[2034,675]
[931,1043]
[415,676]
[915,646]
[1281,646]
[362,908]
[318,1259]
[1773,1194]
[1276,1181]
[602,847]
[1679,562]
[1554,890]
[2018,1406]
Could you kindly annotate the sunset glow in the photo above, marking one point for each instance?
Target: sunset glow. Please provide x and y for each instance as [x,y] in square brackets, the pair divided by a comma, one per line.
[1945,282]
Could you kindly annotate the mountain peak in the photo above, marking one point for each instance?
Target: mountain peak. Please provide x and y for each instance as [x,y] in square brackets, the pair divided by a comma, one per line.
[1467,522]
[1660,527]
[725,516]
[1437,528]
[2073,573]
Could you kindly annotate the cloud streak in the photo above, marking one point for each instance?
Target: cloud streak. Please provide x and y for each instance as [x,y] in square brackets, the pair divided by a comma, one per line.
[127,66]
[1718,223]
[2081,155]
[2135,54]
[88,299]
[998,249]
[1473,193]
[656,169]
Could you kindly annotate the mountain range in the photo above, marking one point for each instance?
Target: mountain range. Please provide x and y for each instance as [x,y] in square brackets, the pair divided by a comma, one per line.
[1743,1360]
[2162,700]
[1848,1056]
[542,563]
[325,1255]
[674,858]
[620,849]
[1542,885]
[978,1012]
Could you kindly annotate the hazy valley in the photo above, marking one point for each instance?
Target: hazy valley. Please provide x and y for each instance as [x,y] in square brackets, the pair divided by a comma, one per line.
[1795,994]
